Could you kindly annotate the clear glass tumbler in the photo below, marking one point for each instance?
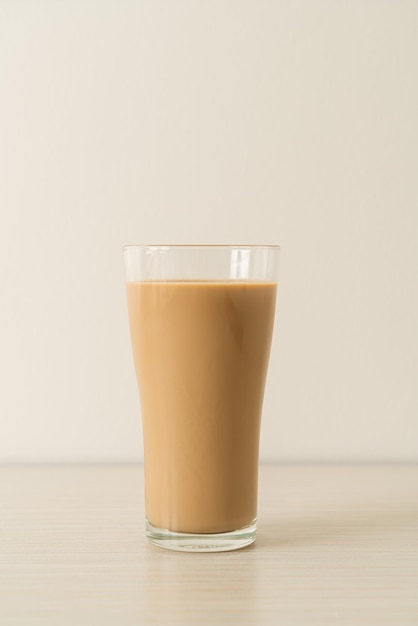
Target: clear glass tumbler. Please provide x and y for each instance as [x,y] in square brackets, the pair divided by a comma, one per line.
[201,321]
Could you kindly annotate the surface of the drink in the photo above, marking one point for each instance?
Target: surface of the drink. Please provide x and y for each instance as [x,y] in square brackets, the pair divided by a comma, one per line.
[201,351]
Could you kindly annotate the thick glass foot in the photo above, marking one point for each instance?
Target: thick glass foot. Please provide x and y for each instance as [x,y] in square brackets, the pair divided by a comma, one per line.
[216,542]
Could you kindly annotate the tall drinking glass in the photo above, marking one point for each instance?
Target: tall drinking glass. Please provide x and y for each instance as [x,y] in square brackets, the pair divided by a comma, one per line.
[201,320]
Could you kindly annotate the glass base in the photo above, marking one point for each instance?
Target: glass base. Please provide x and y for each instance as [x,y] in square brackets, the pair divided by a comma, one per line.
[214,542]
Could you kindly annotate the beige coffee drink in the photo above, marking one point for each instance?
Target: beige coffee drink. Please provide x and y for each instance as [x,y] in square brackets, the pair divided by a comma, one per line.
[201,320]
[201,350]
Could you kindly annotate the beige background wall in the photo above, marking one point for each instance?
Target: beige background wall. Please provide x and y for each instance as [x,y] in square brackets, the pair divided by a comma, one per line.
[291,122]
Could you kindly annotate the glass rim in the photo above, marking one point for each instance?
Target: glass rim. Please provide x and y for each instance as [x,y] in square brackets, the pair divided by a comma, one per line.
[203,245]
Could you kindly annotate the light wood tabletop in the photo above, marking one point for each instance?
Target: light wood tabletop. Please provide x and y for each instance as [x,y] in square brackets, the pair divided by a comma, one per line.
[336,544]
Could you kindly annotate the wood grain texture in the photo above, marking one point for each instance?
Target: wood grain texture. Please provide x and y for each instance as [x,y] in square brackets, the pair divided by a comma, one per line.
[336,545]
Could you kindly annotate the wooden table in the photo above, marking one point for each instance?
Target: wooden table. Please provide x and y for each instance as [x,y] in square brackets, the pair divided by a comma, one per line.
[337,544]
